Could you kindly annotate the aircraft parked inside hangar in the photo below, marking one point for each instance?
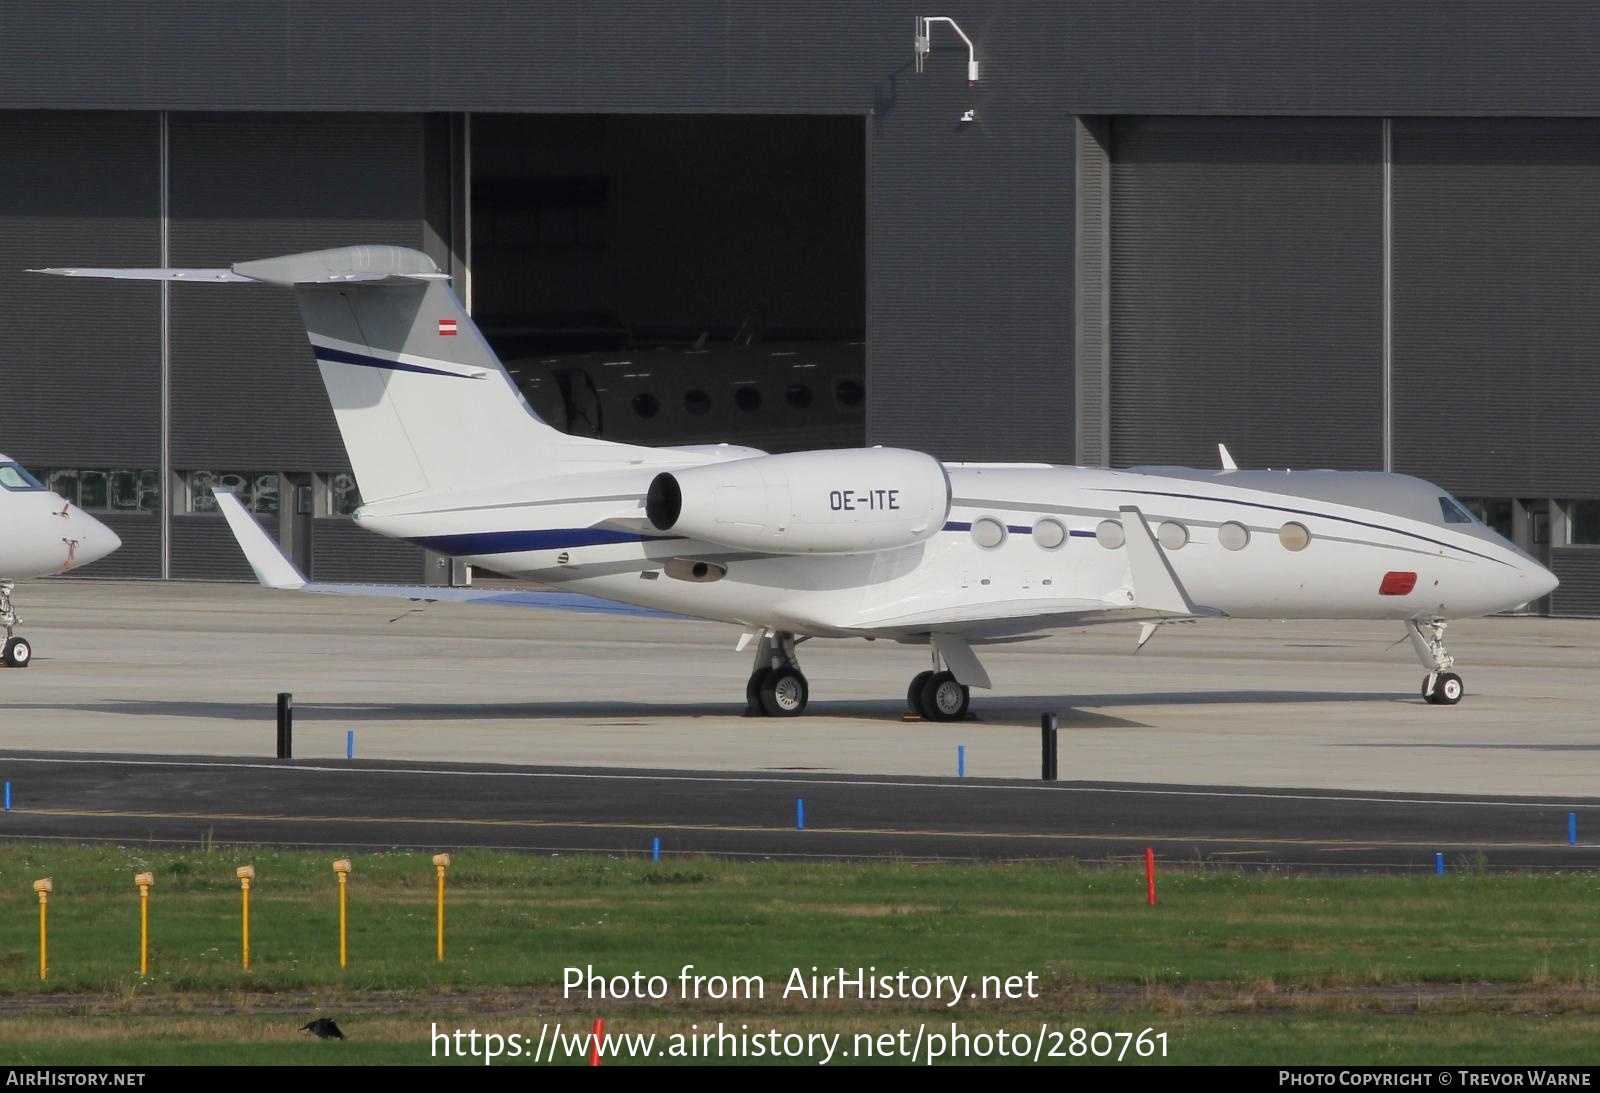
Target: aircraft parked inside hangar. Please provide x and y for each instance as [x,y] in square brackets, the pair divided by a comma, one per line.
[873,543]
[40,535]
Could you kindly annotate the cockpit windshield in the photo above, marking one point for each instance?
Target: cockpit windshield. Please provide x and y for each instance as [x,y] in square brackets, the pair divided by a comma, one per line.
[1453,512]
[15,477]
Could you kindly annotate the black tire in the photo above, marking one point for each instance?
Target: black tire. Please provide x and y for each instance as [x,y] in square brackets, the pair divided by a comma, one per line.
[784,693]
[914,693]
[1427,691]
[752,693]
[18,653]
[1448,689]
[944,699]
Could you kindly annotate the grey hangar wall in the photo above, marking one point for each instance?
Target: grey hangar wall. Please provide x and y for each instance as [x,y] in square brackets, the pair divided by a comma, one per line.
[1170,223]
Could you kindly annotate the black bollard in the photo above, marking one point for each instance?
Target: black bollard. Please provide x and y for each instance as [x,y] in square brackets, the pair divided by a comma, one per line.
[285,725]
[1047,747]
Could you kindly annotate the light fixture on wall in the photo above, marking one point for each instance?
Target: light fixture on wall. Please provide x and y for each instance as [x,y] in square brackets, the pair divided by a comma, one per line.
[923,43]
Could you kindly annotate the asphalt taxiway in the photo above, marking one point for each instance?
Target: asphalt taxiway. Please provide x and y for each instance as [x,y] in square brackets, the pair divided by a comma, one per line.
[351,805]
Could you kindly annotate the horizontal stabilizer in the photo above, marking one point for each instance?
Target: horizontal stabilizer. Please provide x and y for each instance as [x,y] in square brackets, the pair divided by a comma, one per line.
[341,265]
[274,570]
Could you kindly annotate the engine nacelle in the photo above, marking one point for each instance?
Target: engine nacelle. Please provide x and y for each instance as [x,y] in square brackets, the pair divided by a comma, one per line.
[852,501]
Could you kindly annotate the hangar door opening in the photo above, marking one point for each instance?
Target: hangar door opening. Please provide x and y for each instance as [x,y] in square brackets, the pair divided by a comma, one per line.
[676,279]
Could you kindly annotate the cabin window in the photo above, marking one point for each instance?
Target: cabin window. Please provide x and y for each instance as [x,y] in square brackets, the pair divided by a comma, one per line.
[1110,534]
[1050,534]
[14,478]
[646,405]
[748,399]
[697,402]
[1294,536]
[797,395]
[1233,535]
[1173,535]
[988,532]
[849,393]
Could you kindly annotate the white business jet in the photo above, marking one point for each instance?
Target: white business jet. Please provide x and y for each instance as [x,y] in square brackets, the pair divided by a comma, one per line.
[40,534]
[869,543]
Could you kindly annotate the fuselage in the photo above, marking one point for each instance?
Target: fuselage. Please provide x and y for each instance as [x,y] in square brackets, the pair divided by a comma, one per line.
[40,533]
[1024,548]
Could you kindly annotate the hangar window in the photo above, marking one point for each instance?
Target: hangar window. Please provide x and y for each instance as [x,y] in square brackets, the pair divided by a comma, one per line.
[697,402]
[1583,523]
[1173,535]
[1233,535]
[1294,536]
[797,395]
[747,398]
[1498,513]
[1050,534]
[1110,534]
[988,532]
[342,497]
[258,490]
[106,490]
[646,405]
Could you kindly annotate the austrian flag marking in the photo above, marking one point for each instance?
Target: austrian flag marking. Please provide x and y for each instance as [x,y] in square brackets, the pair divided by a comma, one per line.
[447,328]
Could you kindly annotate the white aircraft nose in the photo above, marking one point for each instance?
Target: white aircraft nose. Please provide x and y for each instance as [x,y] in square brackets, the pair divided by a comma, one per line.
[95,540]
[1542,580]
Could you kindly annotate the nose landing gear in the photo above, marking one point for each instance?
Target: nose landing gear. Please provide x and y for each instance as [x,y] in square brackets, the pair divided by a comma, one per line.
[16,652]
[1440,687]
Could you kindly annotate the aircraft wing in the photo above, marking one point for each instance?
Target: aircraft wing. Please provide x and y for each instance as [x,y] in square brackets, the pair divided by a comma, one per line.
[274,570]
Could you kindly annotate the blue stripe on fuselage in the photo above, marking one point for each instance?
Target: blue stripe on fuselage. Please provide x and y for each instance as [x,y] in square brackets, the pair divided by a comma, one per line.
[344,356]
[477,543]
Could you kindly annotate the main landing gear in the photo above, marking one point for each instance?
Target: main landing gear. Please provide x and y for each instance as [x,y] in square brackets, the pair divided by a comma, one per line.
[777,688]
[1440,687]
[16,652]
[936,695]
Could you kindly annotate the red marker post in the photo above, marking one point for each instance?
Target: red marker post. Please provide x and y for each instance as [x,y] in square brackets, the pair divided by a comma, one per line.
[1150,875]
[594,1040]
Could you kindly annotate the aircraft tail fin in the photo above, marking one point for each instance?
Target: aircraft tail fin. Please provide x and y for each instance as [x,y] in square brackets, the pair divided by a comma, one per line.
[420,398]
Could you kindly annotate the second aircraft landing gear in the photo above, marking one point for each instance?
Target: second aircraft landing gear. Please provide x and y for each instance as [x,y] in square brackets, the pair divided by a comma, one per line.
[1440,687]
[16,652]
[777,687]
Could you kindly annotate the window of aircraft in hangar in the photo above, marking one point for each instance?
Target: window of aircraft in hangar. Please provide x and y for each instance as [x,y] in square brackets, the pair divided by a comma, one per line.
[645,284]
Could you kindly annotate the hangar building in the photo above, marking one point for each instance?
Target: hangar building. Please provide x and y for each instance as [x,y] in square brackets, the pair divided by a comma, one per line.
[1350,234]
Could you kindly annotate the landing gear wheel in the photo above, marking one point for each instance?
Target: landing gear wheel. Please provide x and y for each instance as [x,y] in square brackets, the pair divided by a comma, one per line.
[943,699]
[1447,689]
[752,693]
[18,653]
[914,694]
[784,693]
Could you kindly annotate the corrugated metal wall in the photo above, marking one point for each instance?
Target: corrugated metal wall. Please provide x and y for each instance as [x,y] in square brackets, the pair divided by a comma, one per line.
[1497,305]
[245,393]
[80,365]
[1246,294]
[1579,570]
[341,551]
